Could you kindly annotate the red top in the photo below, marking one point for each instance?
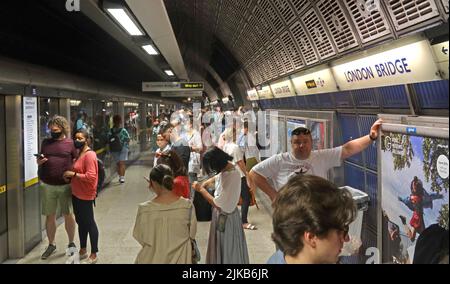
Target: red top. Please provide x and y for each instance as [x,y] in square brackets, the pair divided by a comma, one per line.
[181,186]
[84,184]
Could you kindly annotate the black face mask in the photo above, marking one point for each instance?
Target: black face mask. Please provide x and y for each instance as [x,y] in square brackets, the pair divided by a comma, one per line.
[56,135]
[79,144]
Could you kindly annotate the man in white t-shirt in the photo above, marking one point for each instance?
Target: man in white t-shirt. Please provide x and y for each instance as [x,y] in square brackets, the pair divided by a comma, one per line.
[302,160]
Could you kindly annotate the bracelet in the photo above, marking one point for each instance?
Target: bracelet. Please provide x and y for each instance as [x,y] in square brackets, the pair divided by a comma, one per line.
[373,139]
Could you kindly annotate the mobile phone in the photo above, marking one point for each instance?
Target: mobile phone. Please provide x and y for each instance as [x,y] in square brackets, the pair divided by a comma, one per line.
[40,156]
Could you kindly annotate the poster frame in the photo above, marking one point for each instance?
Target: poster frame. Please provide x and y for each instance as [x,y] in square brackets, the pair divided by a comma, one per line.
[432,127]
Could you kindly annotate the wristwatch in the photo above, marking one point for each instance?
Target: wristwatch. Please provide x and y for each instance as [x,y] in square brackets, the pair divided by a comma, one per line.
[373,139]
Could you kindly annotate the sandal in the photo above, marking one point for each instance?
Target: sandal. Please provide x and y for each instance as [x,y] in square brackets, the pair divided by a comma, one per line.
[250,226]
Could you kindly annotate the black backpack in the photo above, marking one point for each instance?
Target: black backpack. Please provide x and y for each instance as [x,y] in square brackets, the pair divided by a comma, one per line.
[114,141]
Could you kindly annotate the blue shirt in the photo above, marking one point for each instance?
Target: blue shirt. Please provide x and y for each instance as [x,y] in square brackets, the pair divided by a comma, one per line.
[277,258]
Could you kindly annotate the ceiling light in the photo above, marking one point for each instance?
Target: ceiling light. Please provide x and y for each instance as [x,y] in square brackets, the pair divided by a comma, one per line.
[169,73]
[150,49]
[125,21]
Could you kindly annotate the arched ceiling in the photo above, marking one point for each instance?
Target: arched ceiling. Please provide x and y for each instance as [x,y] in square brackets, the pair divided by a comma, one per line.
[270,39]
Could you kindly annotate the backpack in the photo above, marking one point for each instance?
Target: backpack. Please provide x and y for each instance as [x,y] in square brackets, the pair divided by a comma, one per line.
[114,141]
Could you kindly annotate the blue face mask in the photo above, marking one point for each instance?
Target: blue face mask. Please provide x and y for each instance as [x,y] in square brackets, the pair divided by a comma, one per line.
[79,144]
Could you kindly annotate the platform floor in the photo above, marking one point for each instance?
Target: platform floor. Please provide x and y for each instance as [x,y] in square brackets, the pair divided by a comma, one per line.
[115,214]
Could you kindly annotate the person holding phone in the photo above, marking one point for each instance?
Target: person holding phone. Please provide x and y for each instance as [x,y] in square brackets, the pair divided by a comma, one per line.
[56,157]
[227,243]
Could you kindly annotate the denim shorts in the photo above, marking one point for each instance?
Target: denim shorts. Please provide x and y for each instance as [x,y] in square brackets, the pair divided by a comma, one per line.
[120,156]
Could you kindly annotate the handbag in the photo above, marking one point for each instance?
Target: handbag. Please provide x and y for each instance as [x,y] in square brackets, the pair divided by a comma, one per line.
[196,257]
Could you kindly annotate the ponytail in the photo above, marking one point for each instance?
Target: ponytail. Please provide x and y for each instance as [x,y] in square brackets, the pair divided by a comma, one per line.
[167,182]
[163,175]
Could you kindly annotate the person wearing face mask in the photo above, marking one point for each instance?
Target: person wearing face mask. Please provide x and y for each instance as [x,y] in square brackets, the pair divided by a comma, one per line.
[56,157]
[165,224]
[84,178]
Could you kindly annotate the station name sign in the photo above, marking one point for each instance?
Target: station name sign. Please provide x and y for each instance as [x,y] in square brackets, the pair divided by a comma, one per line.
[172,86]
[407,64]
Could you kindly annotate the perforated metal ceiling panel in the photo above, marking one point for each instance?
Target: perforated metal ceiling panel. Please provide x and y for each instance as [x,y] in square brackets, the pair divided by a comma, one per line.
[292,50]
[445,5]
[272,38]
[300,5]
[370,24]
[284,57]
[318,34]
[263,23]
[285,10]
[275,58]
[273,18]
[406,13]
[304,43]
[338,24]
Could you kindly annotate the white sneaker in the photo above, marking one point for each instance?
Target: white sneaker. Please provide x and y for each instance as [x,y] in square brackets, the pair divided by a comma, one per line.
[122,180]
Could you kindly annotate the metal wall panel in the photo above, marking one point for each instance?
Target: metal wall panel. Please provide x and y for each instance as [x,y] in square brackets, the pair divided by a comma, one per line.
[432,95]
[312,101]
[326,100]
[14,156]
[366,122]
[301,102]
[3,199]
[350,130]
[394,97]
[354,176]
[366,98]
[343,99]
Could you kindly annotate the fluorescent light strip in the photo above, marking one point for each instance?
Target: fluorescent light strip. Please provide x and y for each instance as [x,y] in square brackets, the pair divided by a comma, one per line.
[150,49]
[169,73]
[125,21]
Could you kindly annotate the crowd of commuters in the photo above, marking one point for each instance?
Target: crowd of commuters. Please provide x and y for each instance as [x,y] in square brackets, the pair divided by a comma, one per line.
[214,158]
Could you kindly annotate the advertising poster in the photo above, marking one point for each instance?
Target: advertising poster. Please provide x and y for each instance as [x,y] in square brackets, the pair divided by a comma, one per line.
[318,134]
[30,140]
[291,125]
[414,189]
